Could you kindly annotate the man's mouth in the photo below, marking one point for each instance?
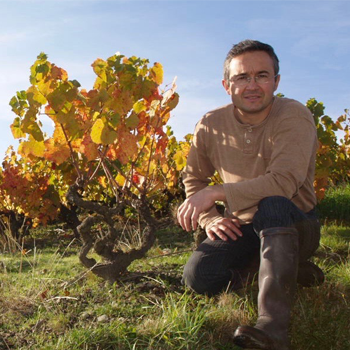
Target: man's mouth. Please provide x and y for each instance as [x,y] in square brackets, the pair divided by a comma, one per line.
[252,97]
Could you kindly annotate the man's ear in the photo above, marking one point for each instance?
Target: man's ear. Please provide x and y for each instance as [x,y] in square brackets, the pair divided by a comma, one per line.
[277,81]
[226,86]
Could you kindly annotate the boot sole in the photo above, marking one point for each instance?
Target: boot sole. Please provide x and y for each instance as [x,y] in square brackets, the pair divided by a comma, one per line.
[252,338]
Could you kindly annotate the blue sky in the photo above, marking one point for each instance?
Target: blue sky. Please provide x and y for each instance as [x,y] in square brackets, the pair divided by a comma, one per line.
[189,38]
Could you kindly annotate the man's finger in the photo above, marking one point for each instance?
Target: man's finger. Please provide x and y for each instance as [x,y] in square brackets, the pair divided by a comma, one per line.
[221,234]
[236,222]
[232,235]
[225,228]
[187,217]
[211,236]
[235,229]
[194,219]
[232,226]
[181,215]
[228,232]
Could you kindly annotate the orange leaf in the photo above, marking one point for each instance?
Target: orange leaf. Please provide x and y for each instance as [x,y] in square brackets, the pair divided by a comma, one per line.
[89,148]
[127,146]
[58,73]
[57,153]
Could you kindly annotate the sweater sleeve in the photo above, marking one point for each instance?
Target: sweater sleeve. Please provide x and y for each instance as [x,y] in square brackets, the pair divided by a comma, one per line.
[198,171]
[294,144]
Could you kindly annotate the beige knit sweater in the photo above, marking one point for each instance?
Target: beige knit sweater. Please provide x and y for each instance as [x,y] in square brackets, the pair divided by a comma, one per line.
[274,158]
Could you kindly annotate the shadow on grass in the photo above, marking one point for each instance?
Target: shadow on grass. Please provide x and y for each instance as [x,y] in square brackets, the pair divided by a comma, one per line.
[321,319]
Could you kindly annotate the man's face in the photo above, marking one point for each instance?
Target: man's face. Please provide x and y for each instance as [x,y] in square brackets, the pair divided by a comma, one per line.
[252,100]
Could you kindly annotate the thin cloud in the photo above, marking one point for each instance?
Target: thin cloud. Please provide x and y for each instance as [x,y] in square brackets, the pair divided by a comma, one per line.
[11,37]
[187,85]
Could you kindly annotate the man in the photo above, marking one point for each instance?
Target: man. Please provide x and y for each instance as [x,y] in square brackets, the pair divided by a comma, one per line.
[263,148]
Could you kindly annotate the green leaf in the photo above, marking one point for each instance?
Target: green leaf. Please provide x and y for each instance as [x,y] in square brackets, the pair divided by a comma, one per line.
[132,121]
[34,130]
[30,125]
[75,83]
[15,105]
[42,56]
[21,95]
[39,72]
[16,129]
[70,123]
[56,100]
[52,194]
[114,119]
[316,108]
[35,97]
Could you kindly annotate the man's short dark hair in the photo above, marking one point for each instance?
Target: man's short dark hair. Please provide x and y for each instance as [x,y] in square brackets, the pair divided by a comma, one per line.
[249,46]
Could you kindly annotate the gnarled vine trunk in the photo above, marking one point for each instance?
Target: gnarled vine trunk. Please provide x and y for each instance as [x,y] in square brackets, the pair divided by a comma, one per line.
[115,261]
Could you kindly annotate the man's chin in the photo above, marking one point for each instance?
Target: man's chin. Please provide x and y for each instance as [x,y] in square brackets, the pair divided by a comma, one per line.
[252,109]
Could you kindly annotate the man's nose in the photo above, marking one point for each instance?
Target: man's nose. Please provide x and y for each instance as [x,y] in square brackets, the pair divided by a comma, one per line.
[252,84]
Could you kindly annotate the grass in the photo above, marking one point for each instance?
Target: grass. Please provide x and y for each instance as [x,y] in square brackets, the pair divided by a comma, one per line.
[335,207]
[48,301]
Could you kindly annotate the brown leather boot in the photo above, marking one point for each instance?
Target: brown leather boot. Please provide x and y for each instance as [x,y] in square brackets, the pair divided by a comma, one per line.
[309,274]
[277,282]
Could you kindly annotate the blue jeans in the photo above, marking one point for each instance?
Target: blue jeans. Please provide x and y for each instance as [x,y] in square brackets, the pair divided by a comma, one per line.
[209,269]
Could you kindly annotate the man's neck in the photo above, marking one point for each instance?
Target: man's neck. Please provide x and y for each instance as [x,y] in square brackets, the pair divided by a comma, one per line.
[251,118]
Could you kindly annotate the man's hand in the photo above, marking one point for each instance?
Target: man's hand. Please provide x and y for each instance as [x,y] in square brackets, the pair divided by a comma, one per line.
[189,211]
[224,228]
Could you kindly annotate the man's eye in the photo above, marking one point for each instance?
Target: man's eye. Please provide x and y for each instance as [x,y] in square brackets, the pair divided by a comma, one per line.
[241,78]
[262,76]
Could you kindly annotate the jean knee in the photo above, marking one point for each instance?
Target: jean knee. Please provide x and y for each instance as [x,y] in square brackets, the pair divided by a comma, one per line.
[204,283]
[273,202]
[191,278]
[274,211]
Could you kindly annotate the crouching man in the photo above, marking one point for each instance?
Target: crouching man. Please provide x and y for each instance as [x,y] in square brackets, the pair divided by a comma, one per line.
[264,149]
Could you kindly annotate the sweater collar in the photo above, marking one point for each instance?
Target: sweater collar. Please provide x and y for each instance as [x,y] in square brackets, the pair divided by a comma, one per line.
[248,126]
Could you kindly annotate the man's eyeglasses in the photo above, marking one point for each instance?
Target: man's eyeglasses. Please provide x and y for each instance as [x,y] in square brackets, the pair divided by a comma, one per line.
[243,80]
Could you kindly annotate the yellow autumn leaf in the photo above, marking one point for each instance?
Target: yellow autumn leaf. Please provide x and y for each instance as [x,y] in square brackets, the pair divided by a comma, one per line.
[165,168]
[34,95]
[103,181]
[101,133]
[16,128]
[99,67]
[139,106]
[180,160]
[120,180]
[156,73]
[31,147]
